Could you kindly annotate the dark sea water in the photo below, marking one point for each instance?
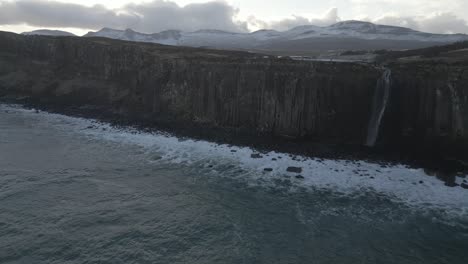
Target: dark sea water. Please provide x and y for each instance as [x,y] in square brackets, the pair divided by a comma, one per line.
[74,191]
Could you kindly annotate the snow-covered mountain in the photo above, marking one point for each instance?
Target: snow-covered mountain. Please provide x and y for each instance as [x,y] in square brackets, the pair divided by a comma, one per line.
[169,37]
[369,31]
[47,32]
[309,39]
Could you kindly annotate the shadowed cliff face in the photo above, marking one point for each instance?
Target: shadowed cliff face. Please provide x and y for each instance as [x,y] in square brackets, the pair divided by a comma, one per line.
[429,105]
[228,89]
[330,102]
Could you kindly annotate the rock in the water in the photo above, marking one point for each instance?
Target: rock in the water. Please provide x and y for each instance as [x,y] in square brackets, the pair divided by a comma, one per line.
[451,184]
[256,156]
[464,186]
[294,169]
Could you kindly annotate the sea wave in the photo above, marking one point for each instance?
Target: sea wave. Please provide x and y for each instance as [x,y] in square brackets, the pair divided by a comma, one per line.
[400,183]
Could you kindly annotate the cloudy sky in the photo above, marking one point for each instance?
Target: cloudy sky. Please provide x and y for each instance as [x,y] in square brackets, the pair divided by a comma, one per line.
[81,16]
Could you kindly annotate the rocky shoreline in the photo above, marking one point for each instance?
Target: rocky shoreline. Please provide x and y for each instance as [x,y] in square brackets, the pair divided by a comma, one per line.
[444,168]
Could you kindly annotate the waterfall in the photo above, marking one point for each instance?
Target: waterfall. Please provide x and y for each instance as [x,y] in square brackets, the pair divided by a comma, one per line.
[379,105]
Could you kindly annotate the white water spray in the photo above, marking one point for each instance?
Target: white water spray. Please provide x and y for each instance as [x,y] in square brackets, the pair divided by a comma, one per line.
[379,105]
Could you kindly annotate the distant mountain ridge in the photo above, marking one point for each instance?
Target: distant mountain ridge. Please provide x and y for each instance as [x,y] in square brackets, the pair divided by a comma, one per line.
[346,35]
[47,32]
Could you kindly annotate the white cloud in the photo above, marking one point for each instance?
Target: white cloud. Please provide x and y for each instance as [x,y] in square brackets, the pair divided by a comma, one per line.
[443,23]
[435,23]
[329,18]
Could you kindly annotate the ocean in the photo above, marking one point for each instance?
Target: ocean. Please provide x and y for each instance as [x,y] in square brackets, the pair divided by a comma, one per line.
[75,190]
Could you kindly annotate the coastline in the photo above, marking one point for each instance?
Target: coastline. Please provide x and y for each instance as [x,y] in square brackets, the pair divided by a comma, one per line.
[434,164]
[305,108]
[278,171]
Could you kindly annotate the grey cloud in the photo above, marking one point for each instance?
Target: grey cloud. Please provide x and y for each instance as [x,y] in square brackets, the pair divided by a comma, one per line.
[161,15]
[147,17]
[56,14]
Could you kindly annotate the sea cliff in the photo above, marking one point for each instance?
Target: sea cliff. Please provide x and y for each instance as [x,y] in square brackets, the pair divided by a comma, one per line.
[312,101]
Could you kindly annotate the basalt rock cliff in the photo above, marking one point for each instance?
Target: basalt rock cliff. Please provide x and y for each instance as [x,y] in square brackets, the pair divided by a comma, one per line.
[334,102]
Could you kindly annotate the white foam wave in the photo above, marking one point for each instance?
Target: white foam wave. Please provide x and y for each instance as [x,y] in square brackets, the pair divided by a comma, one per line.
[411,186]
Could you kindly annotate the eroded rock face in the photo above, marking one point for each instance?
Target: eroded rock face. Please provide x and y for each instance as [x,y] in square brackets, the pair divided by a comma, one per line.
[229,89]
[324,101]
[429,105]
